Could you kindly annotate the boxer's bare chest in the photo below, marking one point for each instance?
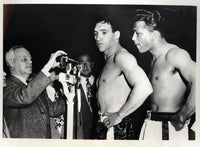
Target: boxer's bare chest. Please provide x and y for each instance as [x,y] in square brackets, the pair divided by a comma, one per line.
[167,86]
[161,71]
[110,73]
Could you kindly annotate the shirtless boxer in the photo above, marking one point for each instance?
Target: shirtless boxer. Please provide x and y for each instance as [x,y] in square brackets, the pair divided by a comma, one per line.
[122,85]
[171,105]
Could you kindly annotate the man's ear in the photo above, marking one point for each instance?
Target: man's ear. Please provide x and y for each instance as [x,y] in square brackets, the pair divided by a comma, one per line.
[117,34]
[155,35]
[11,62]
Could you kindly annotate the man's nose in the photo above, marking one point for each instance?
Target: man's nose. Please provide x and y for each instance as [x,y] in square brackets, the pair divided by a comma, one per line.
[98,38]
[30,61]
[85,65]
[134,37]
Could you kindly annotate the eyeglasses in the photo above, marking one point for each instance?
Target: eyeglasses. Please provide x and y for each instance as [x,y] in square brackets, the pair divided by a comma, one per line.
[25,59]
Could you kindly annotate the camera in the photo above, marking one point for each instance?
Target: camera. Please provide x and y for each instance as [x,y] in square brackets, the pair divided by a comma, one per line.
[69,69]
[62,59]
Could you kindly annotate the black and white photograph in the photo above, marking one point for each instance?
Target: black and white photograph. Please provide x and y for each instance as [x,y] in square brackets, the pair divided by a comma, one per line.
[99,72]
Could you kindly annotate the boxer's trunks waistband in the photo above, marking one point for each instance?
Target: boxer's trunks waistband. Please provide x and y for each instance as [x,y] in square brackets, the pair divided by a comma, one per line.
[159,116]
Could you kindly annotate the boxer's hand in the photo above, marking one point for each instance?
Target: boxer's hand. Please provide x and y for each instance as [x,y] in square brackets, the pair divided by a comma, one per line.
[177,122]
[112,119]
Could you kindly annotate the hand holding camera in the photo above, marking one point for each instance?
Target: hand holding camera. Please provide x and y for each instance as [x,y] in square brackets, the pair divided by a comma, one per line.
[52,63]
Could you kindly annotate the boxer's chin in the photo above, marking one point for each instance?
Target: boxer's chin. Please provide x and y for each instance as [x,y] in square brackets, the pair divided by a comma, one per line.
[142,50]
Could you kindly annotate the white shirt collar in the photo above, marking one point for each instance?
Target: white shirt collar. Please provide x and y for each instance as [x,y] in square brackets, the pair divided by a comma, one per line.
[20,78]
[91,79]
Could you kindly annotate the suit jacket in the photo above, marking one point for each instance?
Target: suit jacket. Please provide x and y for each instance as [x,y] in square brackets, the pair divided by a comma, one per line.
[86,118]
[27,107]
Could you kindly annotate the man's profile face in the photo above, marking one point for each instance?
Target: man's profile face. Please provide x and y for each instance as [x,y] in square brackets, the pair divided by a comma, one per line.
[86,65]
[22,62]
[142,36]
[104,36]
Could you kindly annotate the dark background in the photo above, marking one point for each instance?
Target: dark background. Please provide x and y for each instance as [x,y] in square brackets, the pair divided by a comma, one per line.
[44,29]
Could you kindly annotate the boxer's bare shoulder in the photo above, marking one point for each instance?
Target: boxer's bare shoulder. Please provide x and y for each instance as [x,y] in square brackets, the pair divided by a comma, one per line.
[178,57]
[124,59]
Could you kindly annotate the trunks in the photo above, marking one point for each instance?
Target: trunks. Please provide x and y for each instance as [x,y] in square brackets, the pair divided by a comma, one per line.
[157,126]
[123,130]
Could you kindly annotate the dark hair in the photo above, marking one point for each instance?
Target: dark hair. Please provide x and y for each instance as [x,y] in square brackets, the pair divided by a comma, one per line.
[110,21]
[85,52]
[152,19]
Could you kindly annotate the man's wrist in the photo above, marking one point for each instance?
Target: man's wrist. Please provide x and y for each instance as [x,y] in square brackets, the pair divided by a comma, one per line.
[46,72]
[184,119]
[181,118]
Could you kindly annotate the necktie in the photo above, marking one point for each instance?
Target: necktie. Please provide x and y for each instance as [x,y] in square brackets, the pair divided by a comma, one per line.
[89,91]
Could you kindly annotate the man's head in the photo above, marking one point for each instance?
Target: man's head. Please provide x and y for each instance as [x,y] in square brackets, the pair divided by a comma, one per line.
[106,34]
[87,64]
[147,28]
[19,61]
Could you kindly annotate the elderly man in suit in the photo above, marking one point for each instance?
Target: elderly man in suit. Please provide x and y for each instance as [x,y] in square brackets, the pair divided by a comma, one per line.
[26,106]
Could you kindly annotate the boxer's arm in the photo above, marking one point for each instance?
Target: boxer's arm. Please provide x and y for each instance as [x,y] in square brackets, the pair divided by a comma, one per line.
[181,60]
[136,77]
[139,82]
